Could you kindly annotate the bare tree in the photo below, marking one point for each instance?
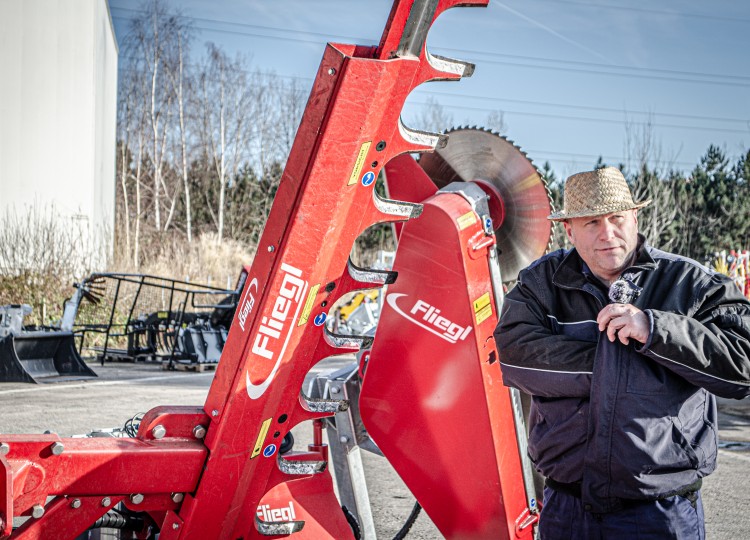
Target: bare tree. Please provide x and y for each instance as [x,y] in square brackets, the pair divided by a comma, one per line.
[224,99]
[433,117]
[644,156]
[181,83]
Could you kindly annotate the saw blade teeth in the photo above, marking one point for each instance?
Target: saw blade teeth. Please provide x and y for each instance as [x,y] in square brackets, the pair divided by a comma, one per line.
[482,154]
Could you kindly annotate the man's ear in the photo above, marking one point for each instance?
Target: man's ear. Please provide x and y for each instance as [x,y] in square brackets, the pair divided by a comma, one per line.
[569,232]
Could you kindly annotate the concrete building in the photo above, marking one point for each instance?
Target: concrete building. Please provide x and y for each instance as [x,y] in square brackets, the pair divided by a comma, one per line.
[58,107]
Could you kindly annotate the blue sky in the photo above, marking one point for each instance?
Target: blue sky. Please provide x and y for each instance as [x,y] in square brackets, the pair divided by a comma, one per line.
[574,79]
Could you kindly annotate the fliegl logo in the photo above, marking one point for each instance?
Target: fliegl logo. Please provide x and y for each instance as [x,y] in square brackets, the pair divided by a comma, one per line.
[272,337]
[285,513]
[428,317]
[247,303]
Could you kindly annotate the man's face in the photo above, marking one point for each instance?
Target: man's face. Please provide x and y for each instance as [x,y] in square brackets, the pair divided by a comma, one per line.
[606,243]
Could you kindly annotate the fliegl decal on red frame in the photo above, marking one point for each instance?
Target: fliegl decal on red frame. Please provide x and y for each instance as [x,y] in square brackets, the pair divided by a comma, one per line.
[428,317]
[273,334]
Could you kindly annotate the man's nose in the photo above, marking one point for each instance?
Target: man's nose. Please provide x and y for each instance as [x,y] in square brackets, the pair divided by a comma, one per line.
[607,230]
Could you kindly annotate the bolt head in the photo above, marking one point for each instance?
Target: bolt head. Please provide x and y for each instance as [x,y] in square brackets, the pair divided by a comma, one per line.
[75,503]
[158,432]
[57,448]
[106,501]
[4,448]
[136,498]
[175,526]
[270,249]
[335,390]
[199,432]
[177,497]
[215,413]
[37,511]
[332,71]
[344,439]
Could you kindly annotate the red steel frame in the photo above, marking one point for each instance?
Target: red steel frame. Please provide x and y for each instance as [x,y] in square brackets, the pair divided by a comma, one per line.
[201,473]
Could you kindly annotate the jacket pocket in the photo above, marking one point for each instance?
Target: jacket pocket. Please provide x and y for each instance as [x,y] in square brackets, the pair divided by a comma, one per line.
[557,436]
[645,376]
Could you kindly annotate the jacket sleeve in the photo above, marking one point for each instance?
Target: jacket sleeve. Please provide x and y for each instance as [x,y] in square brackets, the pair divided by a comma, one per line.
[711,348]
[533,357]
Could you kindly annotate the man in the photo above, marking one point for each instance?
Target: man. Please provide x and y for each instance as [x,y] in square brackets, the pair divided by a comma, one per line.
[623,420]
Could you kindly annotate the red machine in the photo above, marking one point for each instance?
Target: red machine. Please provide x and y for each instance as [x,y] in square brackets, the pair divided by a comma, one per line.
[431,397]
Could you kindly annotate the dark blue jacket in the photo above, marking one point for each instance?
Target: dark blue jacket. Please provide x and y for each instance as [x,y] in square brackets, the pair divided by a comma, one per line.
[627,422]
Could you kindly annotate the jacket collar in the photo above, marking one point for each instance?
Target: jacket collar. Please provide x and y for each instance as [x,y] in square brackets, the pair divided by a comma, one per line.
[571,274]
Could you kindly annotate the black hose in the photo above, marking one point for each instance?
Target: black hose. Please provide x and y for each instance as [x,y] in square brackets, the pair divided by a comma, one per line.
[115,520]
[400,535]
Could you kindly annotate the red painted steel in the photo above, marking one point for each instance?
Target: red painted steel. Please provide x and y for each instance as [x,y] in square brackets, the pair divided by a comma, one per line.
[325,200]
[432,397]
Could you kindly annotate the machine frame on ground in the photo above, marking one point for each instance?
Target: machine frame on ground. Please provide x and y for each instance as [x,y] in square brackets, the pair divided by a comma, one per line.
[216,471]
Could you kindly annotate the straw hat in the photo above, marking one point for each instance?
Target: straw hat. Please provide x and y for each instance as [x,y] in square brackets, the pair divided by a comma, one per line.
[595,193]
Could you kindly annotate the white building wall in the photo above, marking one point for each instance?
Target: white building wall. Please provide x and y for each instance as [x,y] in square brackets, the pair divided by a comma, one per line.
[58,102]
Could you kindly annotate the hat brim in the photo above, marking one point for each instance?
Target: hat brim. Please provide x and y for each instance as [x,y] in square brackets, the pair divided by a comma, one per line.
[562,216]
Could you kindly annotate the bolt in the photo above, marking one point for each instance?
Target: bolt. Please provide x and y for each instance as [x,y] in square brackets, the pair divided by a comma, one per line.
[136,498]
[199,432]
[158,432]
[37,511]
[106,501]
[332,71]
[75,503]
[214,413]
[177,497]
[335,390]
[270,249]
[57,448]
[4,448]
[175,526]
[344,439]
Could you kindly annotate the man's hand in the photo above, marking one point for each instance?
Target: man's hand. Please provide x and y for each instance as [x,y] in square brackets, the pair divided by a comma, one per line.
[624,321]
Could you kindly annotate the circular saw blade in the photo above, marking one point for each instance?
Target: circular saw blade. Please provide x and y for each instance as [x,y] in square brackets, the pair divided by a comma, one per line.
[474,154]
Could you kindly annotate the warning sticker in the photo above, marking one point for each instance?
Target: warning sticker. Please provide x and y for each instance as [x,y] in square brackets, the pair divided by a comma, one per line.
[363,150]
[468,219]
[308,305]
[482,308]
[261,437]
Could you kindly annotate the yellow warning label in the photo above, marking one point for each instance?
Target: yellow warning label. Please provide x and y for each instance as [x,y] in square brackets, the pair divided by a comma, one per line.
[308,305]
[261,437]
[482,308]
[469,218]
[364,149]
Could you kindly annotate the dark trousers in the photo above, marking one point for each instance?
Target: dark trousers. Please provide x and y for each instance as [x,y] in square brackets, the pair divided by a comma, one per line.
[563,518]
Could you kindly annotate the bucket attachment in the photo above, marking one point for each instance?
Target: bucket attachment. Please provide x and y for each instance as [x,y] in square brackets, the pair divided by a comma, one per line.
[41,357]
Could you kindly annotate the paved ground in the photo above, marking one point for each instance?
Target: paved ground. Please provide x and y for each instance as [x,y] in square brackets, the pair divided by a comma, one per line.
[126,389]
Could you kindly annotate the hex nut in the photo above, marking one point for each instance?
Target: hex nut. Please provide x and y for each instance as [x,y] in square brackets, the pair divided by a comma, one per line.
[199,431]
[177,497]
[57,448]
[136,498]
[175,526]
[4,448]
[75,503]
[158,432]
[37,511]
[106,501]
